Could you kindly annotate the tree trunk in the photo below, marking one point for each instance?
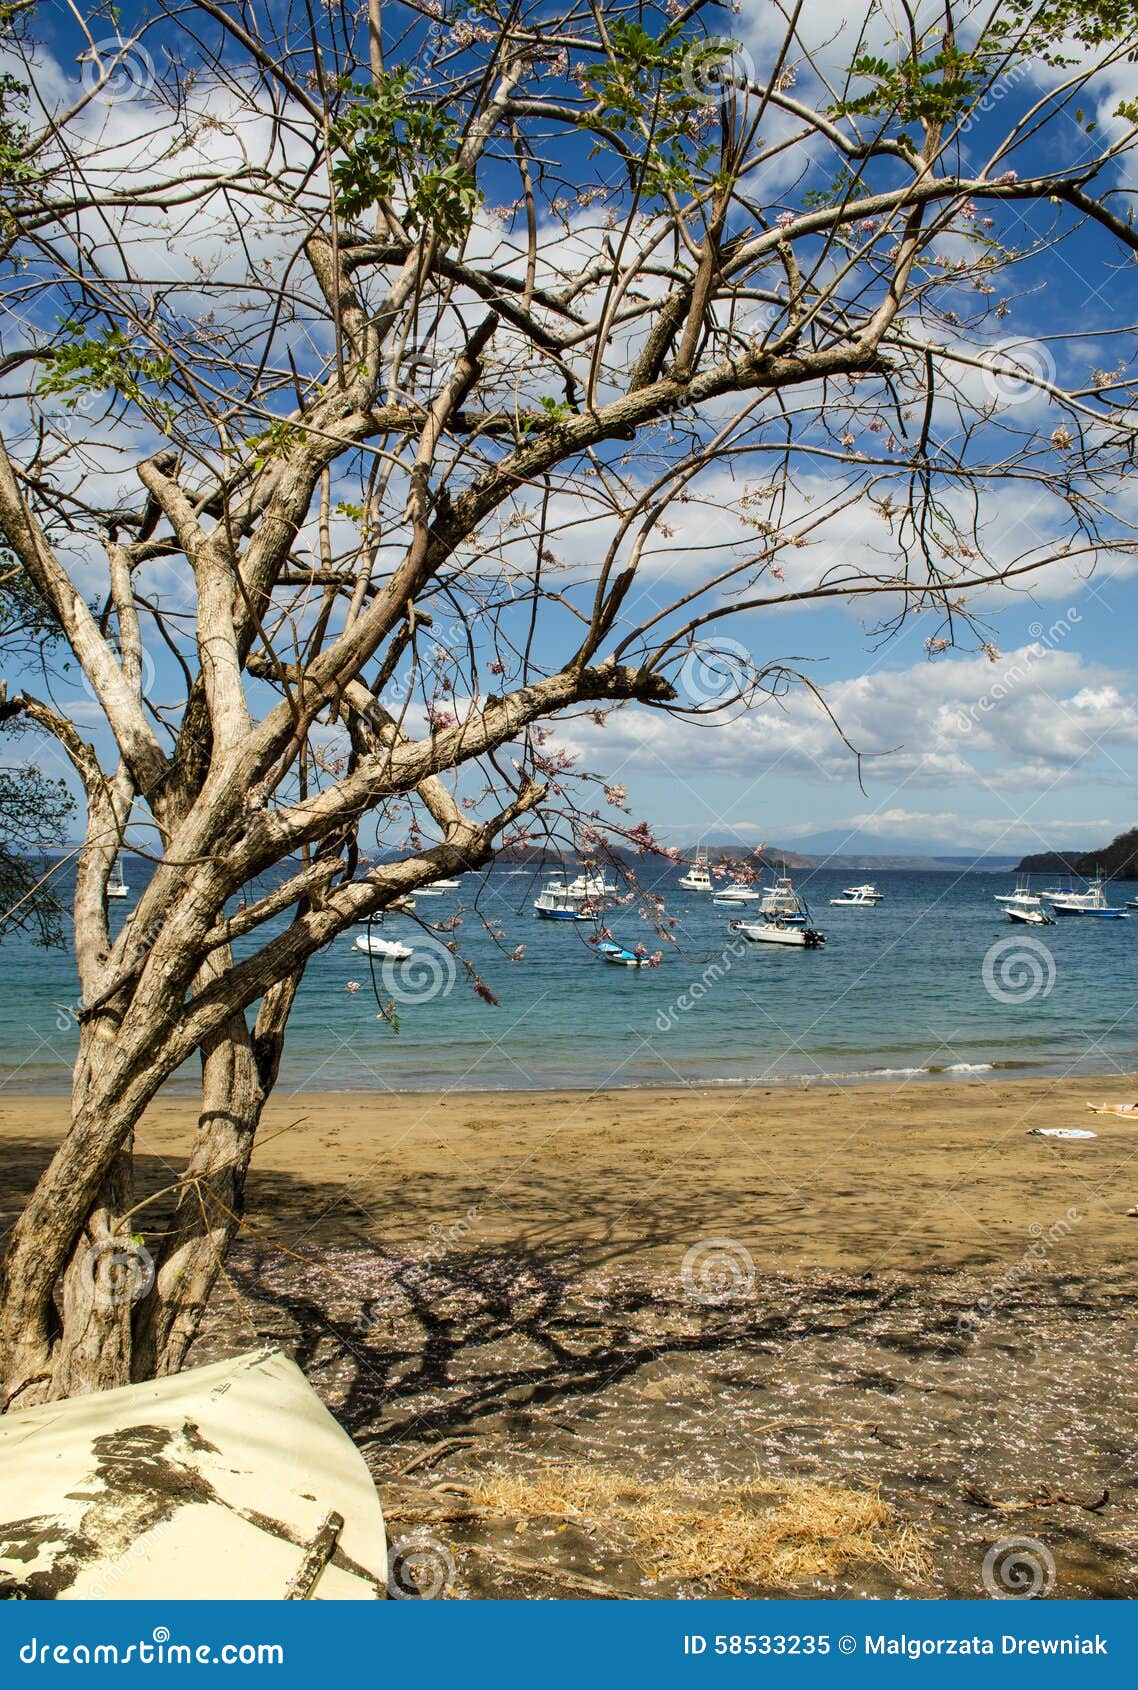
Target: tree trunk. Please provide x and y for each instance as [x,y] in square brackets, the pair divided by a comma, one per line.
[85,1306]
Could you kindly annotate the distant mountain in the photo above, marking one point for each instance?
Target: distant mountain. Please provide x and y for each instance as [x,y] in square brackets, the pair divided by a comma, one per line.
[843,847]
[1117,861]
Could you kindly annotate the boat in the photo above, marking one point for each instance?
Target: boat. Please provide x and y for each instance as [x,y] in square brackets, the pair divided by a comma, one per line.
[858,897]
[554,903]
[1029,909]
[779,931]
[448,885]
[698,877]
[371,945]
[116,885]
[781,902]
[1091,902]
[737,893]
[226,1482]
[576,900]
[609,951]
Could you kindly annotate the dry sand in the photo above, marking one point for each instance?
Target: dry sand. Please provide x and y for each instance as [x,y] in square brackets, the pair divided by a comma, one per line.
[920,1297]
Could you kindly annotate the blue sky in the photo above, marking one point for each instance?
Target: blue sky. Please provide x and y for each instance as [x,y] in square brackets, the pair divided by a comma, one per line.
[1031,746]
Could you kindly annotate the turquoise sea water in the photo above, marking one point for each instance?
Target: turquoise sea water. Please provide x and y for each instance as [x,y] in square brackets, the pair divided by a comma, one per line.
[903,989]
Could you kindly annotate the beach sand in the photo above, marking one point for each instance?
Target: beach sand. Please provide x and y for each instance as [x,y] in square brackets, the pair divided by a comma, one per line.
[875,1286]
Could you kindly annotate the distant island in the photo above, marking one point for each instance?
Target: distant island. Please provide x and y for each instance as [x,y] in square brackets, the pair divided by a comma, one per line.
[1116,861]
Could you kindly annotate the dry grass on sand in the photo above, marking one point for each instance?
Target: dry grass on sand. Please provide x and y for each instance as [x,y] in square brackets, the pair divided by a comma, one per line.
[754,1532]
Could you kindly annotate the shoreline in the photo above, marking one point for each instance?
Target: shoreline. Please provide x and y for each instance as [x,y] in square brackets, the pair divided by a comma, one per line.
[957,1073]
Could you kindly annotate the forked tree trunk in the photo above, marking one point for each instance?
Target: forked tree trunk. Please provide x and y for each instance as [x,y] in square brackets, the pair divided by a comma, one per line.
[86,1305]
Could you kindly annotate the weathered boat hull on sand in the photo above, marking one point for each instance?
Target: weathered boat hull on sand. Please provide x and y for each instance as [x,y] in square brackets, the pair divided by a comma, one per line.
[214,1483]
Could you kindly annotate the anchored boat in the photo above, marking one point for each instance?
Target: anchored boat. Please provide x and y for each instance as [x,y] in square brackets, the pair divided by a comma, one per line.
[372,945]
[779,931]
[1029,910]
[1091,902]
[789,924]
[857,897]
[575,901]
[609,951]
[739,892]
[698,877]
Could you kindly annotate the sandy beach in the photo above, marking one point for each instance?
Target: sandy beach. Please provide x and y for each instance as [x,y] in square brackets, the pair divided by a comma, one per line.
[894,1288]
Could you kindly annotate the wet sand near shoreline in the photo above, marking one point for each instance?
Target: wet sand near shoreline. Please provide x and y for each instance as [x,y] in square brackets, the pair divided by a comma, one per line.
[881,1286]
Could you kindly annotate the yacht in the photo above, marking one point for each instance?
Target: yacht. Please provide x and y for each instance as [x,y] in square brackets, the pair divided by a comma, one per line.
[575,901]
[698,877]
[1091,902]
[116,885]
[737,893]
[436,888]
[781,902]
[858,897]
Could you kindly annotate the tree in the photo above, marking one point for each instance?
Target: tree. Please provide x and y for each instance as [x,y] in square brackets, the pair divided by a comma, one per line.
[375,402]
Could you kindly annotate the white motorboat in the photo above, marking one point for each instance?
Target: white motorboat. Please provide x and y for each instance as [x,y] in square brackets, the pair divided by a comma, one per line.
[389,948]
[436,888]
[591,884]
[1022,895]
[1029,909]
[116,885]
[576,901]
[778,931]
[698,877]
[737,893]
[1091,902]
[781,902]
[858,897]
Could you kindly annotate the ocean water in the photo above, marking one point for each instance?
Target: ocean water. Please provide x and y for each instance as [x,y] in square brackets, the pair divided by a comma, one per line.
[932,981]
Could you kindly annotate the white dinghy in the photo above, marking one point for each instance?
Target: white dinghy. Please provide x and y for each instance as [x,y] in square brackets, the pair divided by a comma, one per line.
[389,948]
[230,1481]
